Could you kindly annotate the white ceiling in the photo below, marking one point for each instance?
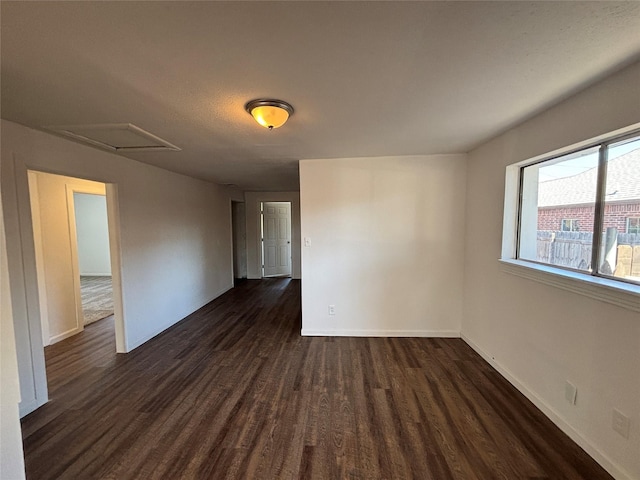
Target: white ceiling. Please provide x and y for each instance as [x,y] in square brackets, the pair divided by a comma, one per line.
[365,78]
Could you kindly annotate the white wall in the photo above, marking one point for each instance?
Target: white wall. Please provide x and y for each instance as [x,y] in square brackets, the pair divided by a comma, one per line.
[175,241]
[58,285]
[387,243]
[11,455]
[254,245]
[540,336]
[93,234]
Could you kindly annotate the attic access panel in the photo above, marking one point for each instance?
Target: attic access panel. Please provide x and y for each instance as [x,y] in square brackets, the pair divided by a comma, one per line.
[116,137]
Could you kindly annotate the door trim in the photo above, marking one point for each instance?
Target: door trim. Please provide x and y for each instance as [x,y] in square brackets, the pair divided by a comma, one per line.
[252,205]
[262,237]
[26,296]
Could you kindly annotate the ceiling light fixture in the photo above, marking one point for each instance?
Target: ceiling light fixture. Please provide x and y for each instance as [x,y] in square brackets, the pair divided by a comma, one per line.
[269,113]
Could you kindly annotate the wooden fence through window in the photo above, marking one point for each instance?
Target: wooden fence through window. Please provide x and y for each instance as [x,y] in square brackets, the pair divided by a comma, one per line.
[573,250]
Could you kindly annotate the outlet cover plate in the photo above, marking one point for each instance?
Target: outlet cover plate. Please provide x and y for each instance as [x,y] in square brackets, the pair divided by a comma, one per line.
[620,423]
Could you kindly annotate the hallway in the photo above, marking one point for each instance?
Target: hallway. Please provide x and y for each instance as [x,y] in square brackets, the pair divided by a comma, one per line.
[234,391]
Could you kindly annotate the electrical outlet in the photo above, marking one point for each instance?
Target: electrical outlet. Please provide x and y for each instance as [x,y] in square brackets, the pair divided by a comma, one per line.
[307,241]
[570,392]
[332,309]
[620,423]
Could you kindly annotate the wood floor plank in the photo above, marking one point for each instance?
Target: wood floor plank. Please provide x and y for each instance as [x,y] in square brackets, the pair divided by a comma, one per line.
[233,391]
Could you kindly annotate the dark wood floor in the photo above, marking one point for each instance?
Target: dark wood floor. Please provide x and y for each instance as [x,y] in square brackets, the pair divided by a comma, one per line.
[234,392]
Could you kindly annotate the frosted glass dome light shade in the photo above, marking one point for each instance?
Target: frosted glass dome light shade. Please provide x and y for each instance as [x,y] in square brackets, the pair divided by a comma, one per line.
[270,113]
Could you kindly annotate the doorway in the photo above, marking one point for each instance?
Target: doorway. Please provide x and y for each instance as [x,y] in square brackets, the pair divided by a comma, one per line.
[276,239]
[94,259]
[73,254]
[239,240]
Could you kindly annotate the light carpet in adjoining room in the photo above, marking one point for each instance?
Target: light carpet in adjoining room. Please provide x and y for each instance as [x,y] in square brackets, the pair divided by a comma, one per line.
[97,298]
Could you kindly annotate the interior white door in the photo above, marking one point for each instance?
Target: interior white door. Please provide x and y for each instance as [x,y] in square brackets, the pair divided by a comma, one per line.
[276,238]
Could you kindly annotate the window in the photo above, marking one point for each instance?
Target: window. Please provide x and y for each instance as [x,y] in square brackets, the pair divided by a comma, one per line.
[569,225]
[576,211]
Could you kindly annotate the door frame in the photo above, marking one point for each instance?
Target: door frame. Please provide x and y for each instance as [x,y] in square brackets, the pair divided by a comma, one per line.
[34,197]
[73,237]
[114,248]
[30,301]
[262,255]
[254,243]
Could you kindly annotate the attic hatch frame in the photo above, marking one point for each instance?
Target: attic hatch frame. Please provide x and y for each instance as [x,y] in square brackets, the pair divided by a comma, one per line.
[156,143]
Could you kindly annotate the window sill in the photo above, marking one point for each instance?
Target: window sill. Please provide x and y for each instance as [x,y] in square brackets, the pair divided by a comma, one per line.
[624,295]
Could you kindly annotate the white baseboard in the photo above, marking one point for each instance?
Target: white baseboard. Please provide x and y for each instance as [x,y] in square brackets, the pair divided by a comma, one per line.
[108,274]
[553,415]
[380,333]
[133,345]
[25,407]
[63,335]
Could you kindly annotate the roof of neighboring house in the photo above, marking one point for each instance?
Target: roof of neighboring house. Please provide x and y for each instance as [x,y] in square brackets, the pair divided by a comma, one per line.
[623,183]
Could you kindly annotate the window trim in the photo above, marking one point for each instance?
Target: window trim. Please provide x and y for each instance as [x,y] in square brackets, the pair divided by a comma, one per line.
[627,226]
[572,222]
[598,216]
[607,289]
[622,294]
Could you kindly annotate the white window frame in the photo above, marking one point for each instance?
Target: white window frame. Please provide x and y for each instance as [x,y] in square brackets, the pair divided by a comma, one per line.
[623,294]
[628,222]
[573,222]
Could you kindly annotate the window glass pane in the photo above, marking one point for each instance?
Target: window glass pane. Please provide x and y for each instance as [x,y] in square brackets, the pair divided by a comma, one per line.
[620,252]
[557,210]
